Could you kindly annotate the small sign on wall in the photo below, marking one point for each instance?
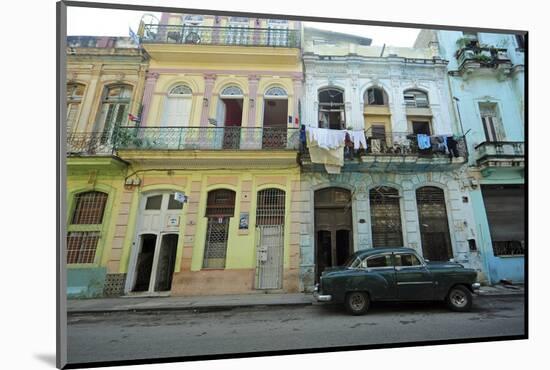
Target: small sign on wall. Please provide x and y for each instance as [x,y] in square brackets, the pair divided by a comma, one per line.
[173,221]
[243,221]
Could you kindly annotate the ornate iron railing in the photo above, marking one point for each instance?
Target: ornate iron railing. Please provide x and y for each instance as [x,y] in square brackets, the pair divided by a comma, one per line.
[203,35]
[406,143]
[89,143]
[486,57]
[500,148]
[209,138]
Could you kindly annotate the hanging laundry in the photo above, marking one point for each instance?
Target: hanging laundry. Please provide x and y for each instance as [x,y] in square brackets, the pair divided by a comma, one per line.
[375,145]
[326,146]
[358,138]
[423,141]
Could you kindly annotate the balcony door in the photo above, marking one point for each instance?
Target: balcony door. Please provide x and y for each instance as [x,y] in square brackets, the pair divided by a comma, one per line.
[114,111]
[229,117]
[275,118]
[492,125]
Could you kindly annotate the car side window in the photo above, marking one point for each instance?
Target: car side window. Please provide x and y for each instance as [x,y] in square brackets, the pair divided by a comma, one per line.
[379,261]
[406,260]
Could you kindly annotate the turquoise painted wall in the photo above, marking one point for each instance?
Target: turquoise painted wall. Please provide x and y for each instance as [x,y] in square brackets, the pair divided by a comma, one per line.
[85,282]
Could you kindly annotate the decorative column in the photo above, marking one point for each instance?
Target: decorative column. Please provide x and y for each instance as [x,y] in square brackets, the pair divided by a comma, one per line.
[252,99]
[297,87]
[150,83]
[209,80]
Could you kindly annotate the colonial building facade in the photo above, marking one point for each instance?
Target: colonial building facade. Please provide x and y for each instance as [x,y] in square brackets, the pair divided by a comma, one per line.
[486,76]
[198,161]
[391,193]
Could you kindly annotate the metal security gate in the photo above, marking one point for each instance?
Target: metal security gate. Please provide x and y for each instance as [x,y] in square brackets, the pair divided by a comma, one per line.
[434,227]
[270,219]
[385,216]
[220,207]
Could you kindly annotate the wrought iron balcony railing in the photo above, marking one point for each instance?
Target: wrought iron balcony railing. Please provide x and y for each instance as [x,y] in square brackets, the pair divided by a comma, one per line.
[207,138]
[406,143]
[484,56]
[89,143]
[239,36]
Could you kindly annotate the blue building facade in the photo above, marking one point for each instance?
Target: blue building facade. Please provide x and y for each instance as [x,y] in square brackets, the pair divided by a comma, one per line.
[486,79]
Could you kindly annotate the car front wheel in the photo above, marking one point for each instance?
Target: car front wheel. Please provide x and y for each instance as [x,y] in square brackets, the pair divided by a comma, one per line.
[357,303]
[459,298]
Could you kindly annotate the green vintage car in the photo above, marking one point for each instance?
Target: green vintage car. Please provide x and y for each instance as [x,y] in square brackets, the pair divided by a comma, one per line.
[395,274]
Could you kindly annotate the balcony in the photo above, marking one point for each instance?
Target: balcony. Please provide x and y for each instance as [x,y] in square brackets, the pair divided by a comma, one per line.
[207,138]
[471,59]
[89,144]
[396,152]
[236,36]
[492,155]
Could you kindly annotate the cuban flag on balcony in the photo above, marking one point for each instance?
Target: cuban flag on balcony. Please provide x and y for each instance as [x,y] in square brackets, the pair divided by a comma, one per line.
[133,118]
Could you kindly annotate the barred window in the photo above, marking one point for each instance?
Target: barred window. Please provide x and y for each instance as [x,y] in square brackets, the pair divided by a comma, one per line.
[89,208]
[270,209]
[220,207]
[81,246]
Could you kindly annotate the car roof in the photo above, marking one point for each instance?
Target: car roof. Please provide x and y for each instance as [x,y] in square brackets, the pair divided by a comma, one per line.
[372,251]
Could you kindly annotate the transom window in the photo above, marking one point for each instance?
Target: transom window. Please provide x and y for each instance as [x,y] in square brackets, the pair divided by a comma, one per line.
[181,90]
[232,91]
[193,20]
[276,92]
[416,99]
[89,208]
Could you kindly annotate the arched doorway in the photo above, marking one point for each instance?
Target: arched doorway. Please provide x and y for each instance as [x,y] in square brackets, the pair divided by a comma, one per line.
[333,228]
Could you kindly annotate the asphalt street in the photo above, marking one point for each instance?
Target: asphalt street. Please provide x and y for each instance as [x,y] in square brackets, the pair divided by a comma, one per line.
[157,334]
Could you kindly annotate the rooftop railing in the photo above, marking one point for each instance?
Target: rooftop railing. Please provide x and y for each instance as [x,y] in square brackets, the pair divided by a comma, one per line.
[238,36]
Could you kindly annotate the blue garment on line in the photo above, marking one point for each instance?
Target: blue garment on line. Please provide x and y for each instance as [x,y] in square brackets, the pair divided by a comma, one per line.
[423,141]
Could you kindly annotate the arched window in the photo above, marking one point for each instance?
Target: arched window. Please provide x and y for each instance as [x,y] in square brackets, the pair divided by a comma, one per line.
[220,207]
[114,111]
[332,109]
[270,208]
[88,210]
[416,99]
[276,92]
[376,96]
[434,226]
[75,92]
[193,20]
[177,109]
[231,91]
[385,216]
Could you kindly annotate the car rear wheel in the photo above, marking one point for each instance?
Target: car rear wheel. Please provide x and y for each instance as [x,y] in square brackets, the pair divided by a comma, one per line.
[459,298]
[357,303]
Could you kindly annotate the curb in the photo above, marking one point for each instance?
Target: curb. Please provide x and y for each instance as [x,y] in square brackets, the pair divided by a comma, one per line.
[211,308]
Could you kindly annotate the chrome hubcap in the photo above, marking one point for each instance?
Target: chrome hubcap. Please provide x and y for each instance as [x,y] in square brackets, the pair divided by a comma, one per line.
[357,302]
[458,298]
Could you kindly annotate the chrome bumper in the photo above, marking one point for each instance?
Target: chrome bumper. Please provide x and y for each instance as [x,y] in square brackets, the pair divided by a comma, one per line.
[321,297]
[476,286]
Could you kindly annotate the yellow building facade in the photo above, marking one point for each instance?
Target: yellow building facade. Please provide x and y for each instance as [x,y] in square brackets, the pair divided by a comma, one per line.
[201,192]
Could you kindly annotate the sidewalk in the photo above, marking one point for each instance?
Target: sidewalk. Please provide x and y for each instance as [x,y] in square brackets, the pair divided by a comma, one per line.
[122,304]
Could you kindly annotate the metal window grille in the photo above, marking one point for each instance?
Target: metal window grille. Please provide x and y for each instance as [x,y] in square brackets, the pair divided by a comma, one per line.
[220,207]
[509,248]
[220,203]
[89,208]
[270,209]
[385,217]
[216,242]
[81,246]
[434,226]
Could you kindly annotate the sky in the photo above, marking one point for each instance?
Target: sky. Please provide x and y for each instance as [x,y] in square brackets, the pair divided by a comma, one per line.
[102,22]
